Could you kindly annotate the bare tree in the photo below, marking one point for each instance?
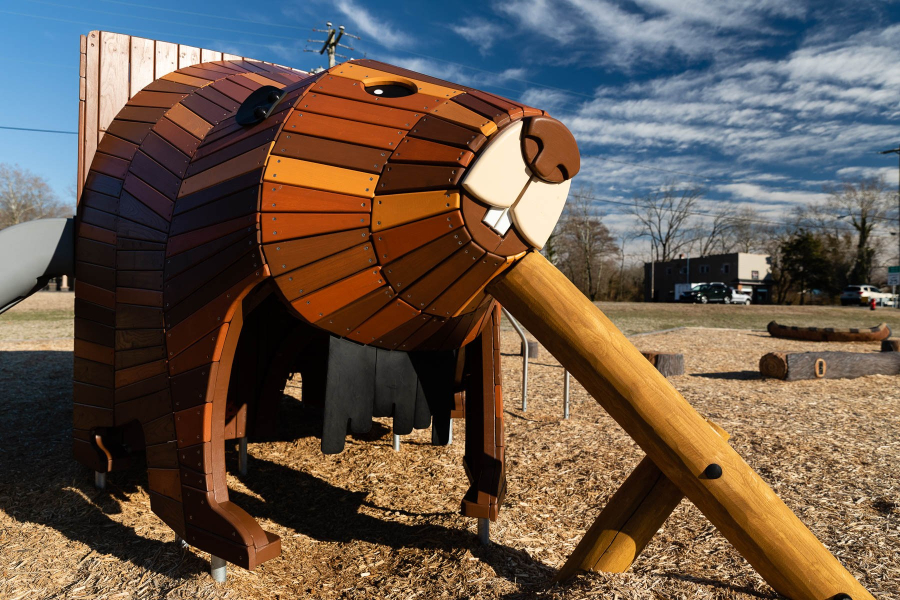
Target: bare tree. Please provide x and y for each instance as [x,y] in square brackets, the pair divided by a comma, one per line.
[748,232]
[712,234]
[861,203]
[582,244]
[25,196]
[664,216]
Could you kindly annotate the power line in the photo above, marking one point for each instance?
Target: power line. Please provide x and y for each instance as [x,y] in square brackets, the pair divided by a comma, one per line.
[39,130]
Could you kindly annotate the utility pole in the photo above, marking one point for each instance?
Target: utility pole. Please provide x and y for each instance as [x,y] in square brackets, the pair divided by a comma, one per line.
[897,152]
[332,41]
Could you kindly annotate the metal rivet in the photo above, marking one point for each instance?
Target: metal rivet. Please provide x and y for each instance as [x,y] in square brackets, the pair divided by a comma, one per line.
[713,471]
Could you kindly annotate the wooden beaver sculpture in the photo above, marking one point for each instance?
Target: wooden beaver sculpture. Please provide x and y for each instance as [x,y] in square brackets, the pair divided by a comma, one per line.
[236,210]
[241,222]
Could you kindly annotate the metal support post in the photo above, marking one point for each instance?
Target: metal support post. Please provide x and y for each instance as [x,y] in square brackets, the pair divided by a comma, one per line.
[218,568]
[450,436]
[396,443]
[484,531]
[566,396]
[99,480]
[521,333]
[242,455]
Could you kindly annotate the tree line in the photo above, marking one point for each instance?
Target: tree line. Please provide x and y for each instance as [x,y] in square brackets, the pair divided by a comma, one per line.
[815,250]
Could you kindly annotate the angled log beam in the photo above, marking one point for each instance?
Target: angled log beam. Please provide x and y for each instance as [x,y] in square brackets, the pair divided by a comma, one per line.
[735,499]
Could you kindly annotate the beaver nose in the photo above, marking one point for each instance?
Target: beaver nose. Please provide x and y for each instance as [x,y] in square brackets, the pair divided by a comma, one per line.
[550,150]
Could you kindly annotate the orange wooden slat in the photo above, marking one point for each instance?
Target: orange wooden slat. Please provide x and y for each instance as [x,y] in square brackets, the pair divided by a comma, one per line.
[353,110]
[226,170]
[391,244]
[395,314]
[354,132]
[398,209]
[189,121]
[290,198]
[286,226]
[290,171]
[338,295]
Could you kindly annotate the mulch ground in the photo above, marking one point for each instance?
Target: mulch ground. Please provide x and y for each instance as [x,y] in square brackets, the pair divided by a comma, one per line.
[374,523]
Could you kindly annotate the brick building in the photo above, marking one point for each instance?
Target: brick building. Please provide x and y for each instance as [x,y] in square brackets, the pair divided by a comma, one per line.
[748,273]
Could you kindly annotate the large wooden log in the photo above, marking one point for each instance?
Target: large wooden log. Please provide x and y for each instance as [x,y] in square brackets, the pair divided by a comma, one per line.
[669,365]
[828,365]
[678,440]
[829,334]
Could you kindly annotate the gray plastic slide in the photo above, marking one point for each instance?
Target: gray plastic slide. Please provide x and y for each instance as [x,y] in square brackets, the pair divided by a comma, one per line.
[31,254]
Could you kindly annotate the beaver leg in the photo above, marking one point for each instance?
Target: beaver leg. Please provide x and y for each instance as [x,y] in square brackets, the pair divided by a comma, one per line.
[484,458]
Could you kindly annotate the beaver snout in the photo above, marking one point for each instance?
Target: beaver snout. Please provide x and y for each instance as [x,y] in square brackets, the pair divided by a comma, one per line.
[550,150]
[523,175]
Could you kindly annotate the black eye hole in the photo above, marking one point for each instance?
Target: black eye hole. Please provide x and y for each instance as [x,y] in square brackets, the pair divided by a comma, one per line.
[390,90]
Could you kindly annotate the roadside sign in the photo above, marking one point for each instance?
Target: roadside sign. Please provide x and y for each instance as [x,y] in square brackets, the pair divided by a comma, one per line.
[893,276]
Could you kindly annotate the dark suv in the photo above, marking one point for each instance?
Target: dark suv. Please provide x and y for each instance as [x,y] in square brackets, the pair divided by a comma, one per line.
[709,292]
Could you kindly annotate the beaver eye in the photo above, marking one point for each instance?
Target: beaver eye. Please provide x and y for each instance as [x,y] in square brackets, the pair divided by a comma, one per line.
[390,90]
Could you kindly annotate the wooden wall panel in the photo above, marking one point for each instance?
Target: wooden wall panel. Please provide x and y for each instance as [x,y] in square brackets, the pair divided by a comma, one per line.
[114,75]
[143,54]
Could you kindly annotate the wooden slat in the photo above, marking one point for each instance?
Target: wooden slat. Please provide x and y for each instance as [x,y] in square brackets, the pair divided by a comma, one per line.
[227,170]
[207,110]
[187,56]
[391,244]
[290,198]
[417,150]
[231,151]
[338,295]
[312,277]
[228,207]
[286,226]
[129,130]
[354,132]
[166,58]
[82,86]
[404,272]
[396,313]
[398,209]
[181,243]
[500,117]
[364,112]
[179,262]
[342,322]
[288,255]
[321,177]
[459,114]
[342,87]
[369,76]
[114,73]
[444,132]
[218,191]
[455,298]
[165,154]
[91,100]
[209,55]
[189,121]
[176,136]
[142,114]
[143,57]
[396,336]
[331,152]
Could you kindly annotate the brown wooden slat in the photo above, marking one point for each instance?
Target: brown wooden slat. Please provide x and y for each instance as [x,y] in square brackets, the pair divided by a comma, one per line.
[424,291]
[364,112]
[160,430]
[100,276]
[94,373]
[180,243]
[181,286]
[416,150]
[141,114]
[209,75]
[97,225]
[142,389]
[353,90]
[176,136]
[95,253]
[130,130]
[202,352]
[94,312]
[229,169]
[397,335]
[166,482]
[395,70]
[232,90]
[133,339]
[130,316]
[314,276]
[140,260]
[165,154]
[94,352]
[354,132]
[95,295]
[207,110]
[231,151]
[331,152]
[396,313]
[110,186]
[424,334]
[190,121]
[156,99]
[93,395]
[131,229]
[391,244]
[109,165]
[179,262]
[139,373]
[101,201]
[338,295]
[498,116]
[288,255]
[404,272]
[443,132]
[284,226]
[147,280]
[453,299]
[227,104]
[342,321]
[164,85]
[155,175]
[94,332]
[135,244]
[226,208]
[145,205]
[185,79]
[514,110]
[399,178]
[292,198]
[115,146]
[218,191]
[140,356]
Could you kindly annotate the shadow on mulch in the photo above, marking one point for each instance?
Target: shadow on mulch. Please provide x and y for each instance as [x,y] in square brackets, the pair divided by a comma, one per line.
[738,375]
[43,484]
[720,585]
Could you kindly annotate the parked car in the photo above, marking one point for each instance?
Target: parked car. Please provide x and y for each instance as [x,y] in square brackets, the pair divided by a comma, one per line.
[709,292]
[738,297]
[856,295]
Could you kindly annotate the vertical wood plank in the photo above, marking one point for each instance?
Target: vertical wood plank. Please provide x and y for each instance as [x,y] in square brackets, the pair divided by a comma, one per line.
[91,99]
[114,51]
[187,56]
[82,66]
[209,55]
[143,55]
[166,58]
[226,56]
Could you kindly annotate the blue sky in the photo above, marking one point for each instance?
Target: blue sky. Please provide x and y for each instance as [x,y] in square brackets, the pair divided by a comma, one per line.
[766,100]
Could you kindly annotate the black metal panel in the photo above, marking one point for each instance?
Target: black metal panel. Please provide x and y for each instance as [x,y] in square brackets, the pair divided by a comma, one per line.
[434,394]
[395,389]
[350,392]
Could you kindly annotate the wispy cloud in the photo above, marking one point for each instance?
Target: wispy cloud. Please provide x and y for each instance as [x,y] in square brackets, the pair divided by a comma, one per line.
[479,32]
[374,28]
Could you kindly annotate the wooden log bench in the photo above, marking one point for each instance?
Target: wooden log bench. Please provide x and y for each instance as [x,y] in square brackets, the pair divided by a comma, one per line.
[828,365]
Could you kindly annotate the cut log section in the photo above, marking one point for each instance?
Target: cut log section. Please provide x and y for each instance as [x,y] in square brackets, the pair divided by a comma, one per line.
[890,345]
[828,365]
[829,334]
[669,365]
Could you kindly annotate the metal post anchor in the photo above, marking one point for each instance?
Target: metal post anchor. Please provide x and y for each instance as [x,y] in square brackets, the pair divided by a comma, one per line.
[218,568]
[396,443]
[484,531]
[99,480]
[521,333]
[242,455]
[566,396]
